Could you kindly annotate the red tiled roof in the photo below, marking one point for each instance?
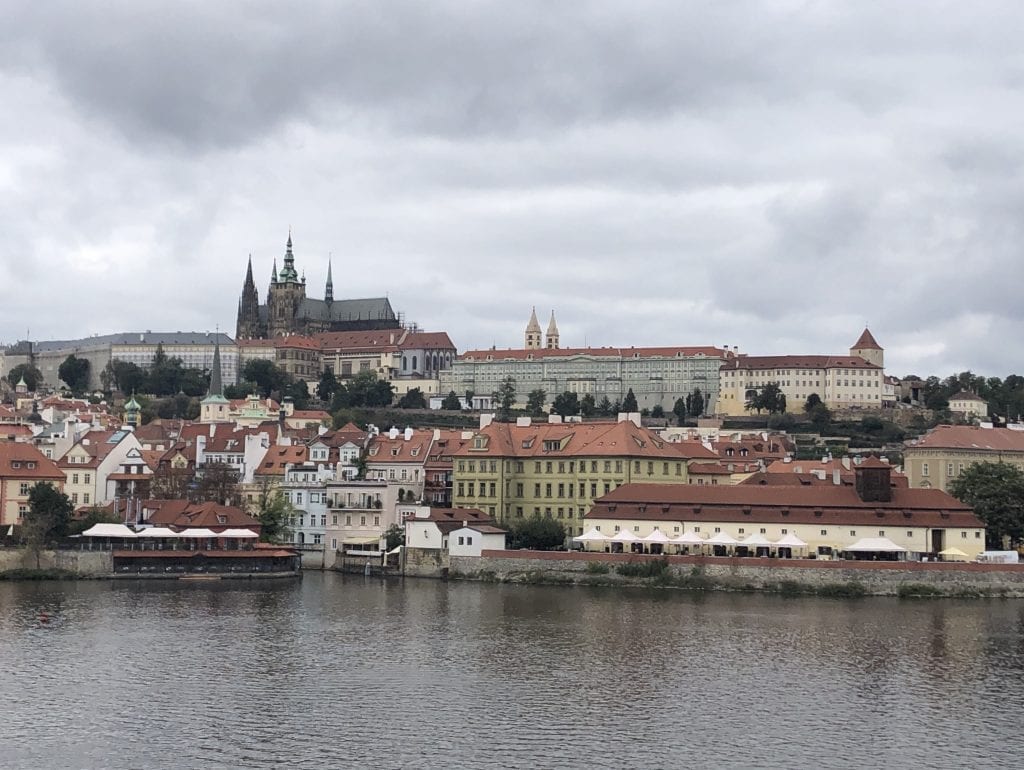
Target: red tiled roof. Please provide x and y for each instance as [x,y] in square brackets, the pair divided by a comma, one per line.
[16,452]
[358,342]
[426,341]
[297,341]
[277,457]
[587,439]
[183,514]
[970,437]
[744,362]
[658,352]
[865,341]
[315,415]
[708,469]
[383,449]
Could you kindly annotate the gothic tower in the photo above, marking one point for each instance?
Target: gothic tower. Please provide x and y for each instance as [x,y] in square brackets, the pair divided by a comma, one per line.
[533,341]
[248,326]
[329,288]
[285,296]
[552,333]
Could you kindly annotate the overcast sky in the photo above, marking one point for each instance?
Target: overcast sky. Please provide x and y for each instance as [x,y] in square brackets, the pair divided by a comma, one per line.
[769,175]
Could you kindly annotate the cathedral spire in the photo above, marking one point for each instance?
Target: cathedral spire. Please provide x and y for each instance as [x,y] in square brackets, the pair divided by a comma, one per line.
[288,272]
[248,275]
[216,386]
[273,274]
[329,289]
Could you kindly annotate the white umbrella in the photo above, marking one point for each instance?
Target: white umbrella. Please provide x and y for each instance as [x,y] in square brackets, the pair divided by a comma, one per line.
[721,539]
[954,554]
[594,535]
[109,530]
[657,536]
[198,532]
[624,536]
[756,540]
[239,534]
[689,538]
[790,541]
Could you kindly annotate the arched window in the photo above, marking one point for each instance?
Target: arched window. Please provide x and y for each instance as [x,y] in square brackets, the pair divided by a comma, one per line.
[405,363]
[414,363]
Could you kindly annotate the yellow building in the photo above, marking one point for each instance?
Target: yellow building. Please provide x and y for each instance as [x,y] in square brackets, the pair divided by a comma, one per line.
[841,382]
[937,458]
[968,405]
[558,469]
[827,518]
[22,466]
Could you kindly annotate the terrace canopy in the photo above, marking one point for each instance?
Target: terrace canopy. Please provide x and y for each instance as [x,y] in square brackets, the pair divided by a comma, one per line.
[688,538]
[721,538]
[593,536]
[624,536]
[238,534]
[757,540]
[954,554]
[158,532]
[198,532]
[109,530]
[790,541]
[875,545]
[657,536]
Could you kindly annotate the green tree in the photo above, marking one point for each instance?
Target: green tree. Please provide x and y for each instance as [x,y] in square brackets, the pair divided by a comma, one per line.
[629,403]
[451,402]
[588,407]
[505,398]
[74,371]
[95,515]
[769,399]
[125,376]
[395,536]
[535,402]
[265,376]
[820,416]
[298,392]
[327,386]
[193,382]
[681,409]
[605,408]
[413,399]
[538,533]
[695,403]
[216,483]
[274,513]
[365,389]
[996,493]
[658,412]
[566,404]
[33,377]
[812,401]
[48,517]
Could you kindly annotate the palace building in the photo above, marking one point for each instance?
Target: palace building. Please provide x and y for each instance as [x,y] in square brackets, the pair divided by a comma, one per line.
[289,311]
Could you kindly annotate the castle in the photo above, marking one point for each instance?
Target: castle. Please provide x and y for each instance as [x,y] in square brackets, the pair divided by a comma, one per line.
[289,311]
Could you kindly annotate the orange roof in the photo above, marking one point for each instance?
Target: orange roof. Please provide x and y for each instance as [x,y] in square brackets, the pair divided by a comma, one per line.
[970,437]
[383,449]
[24,461]
[866,340]
[277,457]
[359,342]
[309,414]
[745,362]
[181,513]
[426,341]
[522,355]
[966,395]
[296,341]
[588,439]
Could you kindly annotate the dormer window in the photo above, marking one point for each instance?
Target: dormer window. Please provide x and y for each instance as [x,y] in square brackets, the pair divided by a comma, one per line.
[222,519]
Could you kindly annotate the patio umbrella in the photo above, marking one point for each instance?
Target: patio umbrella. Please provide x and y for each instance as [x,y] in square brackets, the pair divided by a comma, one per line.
[593,536]
[954,554]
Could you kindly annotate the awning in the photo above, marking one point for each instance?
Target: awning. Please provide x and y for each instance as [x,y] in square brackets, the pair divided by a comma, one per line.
[757,540]
[158,532]
[198,532]
[790,541]
[875,545]
[721,539]
[594,535]
[624,536]
[360,540]
[689,538]
[238,534]
[657,536]
[954,554]
[109,530]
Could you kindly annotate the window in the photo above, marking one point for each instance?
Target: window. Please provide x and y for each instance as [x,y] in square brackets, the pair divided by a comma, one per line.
[334,544]
[881,533]
[853,533]
[23,488]
[74,478]
[85,498]
[348,521]
[963,535]
[334,519]
[763,530]
[376,521]
[909,533]
[824,532]
[742,530]
[461,540]
[924,469]
[323,519]
[469,540]
[785,532]
[74,498]
[362,521]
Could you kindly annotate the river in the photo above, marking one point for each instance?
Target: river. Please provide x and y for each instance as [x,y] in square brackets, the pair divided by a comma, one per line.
[340,671]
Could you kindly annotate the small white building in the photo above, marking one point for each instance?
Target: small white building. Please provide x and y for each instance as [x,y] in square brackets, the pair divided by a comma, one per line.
[968,405]
[439,529]
[472,539]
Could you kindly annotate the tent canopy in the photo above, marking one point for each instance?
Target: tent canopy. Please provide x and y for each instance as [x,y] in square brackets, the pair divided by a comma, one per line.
[594,535]
[657,536]
[756,540]
[720,538]
[238,534]
[197,532]
[876,545]
[624,536]
[158,532]
[109,530]
[790,541]
[953,552]
[689,538]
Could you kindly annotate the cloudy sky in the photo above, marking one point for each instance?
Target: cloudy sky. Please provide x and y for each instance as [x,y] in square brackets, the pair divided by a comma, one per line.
[771,175]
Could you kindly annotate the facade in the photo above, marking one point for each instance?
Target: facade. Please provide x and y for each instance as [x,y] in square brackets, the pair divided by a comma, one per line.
[558,469]
[299,356]
[88,464]
[303,487]
[841,382]
[937,458]
[398,458]
[428,528]
[360,513]
[22,466]
[828,519]
[406,358]
[289,311]
[968,405]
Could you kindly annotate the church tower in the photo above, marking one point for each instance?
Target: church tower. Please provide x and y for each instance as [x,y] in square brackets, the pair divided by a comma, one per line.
[552,334]
[533,340]
[285,296]
[868,349]
[248,325]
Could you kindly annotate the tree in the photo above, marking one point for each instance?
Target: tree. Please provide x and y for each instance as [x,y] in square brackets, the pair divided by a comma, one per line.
[566,404]
[74,372]
[812,401]
[505,398]
[169,483]
[696,403]
[604,407]
[125,376]
[48,516]
[33,377]
[298,392]
[535,402]
[451,402]
[770,399]
[327,386]
[216,483]
[996,493]
[395,536]
[275,515]
[538,533]
[588,407]
[681,409]
[469,399]
[820,416]
[96,515]
[658,411]
[364,389]
[413,399]
[629,403]
[266,376]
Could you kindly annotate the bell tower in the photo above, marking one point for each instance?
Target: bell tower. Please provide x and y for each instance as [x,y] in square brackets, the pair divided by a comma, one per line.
[533,337]
[285,295]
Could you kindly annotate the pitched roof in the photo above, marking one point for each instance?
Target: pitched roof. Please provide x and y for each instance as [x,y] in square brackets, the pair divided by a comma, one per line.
[450,519]
[182,513]
[656,352]
[360,342]
[745,362]
[426,341]
[865,341]
[564,440]
[966,395]
[277,457]
[297,341]
[970,437]
[17,457]
[384,449]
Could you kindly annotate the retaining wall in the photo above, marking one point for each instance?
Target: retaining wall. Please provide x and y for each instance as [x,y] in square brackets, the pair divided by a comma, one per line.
[81,563]
[876,578]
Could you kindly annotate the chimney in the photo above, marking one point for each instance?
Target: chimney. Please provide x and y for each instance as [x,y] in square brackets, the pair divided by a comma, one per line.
[522,422]
[837,478]
[874,481]
[393,433]
[408,434]
[486,419]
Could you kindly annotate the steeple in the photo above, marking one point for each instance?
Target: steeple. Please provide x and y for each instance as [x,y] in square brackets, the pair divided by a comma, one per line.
[329,289]
[249,282]
[216,386]
[868,348]
[533,332]
[273,274]
[248,323]
[552,334]
[288,272]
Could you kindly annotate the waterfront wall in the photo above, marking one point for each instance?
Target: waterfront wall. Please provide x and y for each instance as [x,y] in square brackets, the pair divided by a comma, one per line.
[80,563]
[876,578]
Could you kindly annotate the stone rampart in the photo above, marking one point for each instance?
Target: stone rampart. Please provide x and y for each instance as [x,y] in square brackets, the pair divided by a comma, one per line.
[79,563]
[877,578]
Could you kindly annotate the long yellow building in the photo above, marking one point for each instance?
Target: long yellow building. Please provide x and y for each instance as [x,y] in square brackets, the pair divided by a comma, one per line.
[558,469]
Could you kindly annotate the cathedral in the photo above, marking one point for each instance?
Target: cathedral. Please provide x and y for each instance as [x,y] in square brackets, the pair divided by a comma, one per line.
[289,311]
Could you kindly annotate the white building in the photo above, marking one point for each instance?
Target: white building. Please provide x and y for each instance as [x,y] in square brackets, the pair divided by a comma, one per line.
[304,487]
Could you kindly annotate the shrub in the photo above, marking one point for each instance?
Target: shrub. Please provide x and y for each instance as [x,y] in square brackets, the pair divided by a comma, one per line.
[918,591]
[842,590]
[597,568]
[644,569]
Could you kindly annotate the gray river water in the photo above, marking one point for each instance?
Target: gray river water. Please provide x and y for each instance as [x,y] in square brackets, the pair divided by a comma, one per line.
[339,671]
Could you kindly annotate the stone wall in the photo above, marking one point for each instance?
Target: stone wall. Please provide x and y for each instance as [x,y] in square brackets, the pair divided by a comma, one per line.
[81,563]
[427,562]
[796,575]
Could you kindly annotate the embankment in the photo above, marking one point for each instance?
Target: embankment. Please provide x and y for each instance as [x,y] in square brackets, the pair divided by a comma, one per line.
[788,576]
[20,562]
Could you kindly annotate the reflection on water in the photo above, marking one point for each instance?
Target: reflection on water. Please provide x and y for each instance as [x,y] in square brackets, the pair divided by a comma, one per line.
[334,672]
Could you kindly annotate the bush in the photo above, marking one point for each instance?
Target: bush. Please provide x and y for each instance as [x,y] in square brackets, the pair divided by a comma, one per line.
[842,590]
[597,568]
[644,569]
[918,591]
[537,533]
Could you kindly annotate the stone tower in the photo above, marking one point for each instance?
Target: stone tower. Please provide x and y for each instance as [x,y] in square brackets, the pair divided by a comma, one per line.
[285,295]
[868,349]
[533,337]
[248,325]
[552,334]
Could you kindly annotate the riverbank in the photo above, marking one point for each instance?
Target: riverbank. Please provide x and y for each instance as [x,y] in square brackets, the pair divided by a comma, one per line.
[780,576]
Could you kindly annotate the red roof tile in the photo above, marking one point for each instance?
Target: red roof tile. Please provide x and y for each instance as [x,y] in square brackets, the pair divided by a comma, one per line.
[866,341]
